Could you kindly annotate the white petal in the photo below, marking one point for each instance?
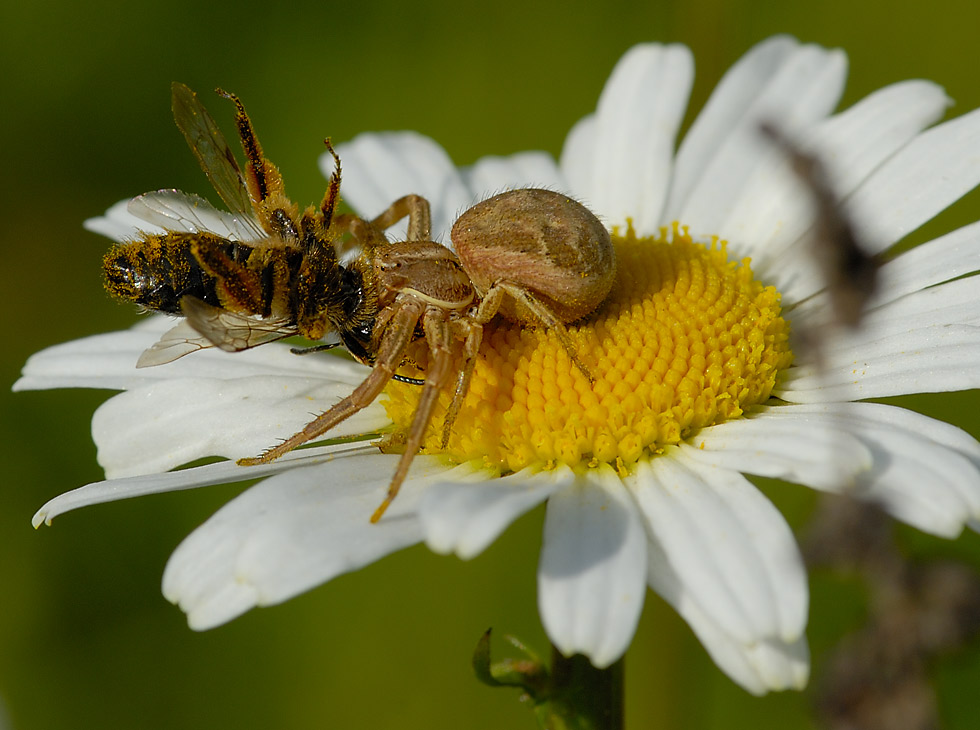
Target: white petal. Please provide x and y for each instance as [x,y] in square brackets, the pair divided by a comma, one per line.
[100,361]
[168,423]
[119,224]
[924,472]
[380,168]
[856,141]
[951,303]
[804,89]
[802,449]
[922,179]
[639,113]
[934,359]
[726,542]
[577,160]
[593,564]
[942,259]
[466,518]
[109,361]
[290,533]
[224,472]
[727,105]
[931,429]
[492,175]
[759,666]
[850,145]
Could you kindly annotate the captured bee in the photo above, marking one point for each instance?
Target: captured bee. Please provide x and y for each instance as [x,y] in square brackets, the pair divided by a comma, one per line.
[535,256]
[272,275]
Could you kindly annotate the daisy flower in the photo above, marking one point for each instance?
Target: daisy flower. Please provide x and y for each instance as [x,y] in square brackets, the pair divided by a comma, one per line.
[697,381]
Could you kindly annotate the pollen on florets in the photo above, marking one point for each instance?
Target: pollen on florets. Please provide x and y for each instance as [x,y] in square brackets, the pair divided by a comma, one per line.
[686,339]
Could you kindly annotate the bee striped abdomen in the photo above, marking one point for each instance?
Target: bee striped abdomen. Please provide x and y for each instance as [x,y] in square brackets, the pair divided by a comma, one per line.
[158,271]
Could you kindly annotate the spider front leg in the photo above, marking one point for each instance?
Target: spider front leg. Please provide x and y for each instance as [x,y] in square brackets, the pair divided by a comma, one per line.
[419,217]
[395,339]
[370,234]
[438,334]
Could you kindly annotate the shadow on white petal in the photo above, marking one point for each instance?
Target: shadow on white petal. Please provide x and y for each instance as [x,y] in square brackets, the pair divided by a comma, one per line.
[923,471]
[728,545]
[591,579]
[293,532]
[759,666]
[199,417]
[465,516]
[772,443]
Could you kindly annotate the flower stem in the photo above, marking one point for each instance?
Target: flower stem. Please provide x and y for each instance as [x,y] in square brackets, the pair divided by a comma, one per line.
[583,697]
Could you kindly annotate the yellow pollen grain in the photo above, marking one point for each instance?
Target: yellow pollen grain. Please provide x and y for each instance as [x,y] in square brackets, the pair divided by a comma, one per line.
[685,340]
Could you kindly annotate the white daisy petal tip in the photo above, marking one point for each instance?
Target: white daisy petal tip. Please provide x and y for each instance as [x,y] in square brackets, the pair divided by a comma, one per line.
[116,223]
[43,516]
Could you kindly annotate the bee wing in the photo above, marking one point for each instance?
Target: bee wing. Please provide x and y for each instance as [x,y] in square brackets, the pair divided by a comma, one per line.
[211,149]
[173,344]
[231,331]
[174,210]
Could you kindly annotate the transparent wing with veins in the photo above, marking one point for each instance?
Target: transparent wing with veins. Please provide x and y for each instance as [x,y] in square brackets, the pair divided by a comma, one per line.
[173,344]
[206,326]
[231,331]
[212,150]
[174,210]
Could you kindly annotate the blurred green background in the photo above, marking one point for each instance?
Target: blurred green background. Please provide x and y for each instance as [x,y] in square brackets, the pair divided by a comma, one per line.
[86,640]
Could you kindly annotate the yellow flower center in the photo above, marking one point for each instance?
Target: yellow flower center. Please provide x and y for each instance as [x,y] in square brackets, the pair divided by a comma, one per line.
[686,339]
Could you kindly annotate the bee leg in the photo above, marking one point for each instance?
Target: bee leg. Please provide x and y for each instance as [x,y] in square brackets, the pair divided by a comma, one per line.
[471,346]
[238,287]
[493,299]
[395,340]
[437,334]
[265,187]
[332,195]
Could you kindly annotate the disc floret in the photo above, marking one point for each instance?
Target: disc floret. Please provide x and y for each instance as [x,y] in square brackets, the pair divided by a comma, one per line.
[686,339]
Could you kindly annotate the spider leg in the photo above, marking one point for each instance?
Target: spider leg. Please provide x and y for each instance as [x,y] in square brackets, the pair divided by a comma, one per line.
[394,340]
[419,217]
[493,299]
[437,334]
[364,234]
[369,234]
[471,346]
